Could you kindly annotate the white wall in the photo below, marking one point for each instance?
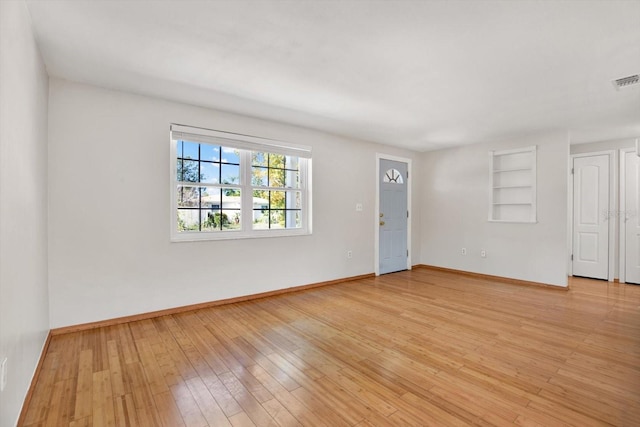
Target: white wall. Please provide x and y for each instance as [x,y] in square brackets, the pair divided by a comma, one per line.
[108,169]
[455,206]
[24,313]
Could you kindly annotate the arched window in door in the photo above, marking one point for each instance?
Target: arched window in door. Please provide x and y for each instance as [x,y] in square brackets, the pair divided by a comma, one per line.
[393,176]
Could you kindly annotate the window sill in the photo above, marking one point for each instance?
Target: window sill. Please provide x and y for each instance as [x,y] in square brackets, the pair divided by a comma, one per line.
[235,235]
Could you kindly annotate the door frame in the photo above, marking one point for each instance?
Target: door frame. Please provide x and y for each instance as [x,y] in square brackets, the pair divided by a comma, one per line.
[613,202]
[622,250]
[376,219]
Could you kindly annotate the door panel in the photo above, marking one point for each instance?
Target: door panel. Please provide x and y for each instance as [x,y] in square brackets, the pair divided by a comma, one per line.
[631,220]
[393,216]
[590,218]
[587,247]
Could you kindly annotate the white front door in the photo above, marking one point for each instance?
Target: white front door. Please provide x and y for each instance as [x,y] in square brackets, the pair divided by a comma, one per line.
[590,216]
[393,216]
[631,226]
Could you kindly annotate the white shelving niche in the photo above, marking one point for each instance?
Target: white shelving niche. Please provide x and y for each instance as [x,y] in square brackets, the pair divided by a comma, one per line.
[513,185]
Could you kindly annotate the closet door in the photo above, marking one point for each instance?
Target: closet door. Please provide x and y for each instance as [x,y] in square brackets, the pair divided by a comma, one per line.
[590,221]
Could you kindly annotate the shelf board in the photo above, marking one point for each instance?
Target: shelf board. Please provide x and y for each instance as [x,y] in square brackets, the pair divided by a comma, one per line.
[513,221]
[512,204]
[511,170]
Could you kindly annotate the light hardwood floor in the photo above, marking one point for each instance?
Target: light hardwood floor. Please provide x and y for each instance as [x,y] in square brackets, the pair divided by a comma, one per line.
[414,348]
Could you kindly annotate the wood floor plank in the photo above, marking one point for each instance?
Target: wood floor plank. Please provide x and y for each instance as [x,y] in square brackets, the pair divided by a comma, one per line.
[167,410]
[103,411]
[84,388]
[136,383]
[241,420]
[280,414]
[187,405]
[210,409]
[178,359]
[115,370]
[251,406]
[222,396]
[60,411]
[85,422]
[323,406]
[418,348]
[124,411]
[286,398]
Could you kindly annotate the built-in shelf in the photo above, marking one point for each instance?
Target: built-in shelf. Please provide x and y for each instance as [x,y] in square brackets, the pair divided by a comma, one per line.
[513,185]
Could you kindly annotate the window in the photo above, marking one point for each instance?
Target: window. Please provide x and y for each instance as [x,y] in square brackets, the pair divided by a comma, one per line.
[227,186]
[393,176]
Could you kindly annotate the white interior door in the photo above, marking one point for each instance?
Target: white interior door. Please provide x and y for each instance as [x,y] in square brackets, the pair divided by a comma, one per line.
[393,216]
[630,218]
[590,216]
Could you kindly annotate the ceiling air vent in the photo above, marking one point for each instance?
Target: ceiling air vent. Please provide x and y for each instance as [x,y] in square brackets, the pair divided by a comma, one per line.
[626,81]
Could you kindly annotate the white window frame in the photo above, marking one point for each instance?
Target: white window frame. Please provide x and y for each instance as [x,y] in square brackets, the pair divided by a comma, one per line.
[245,144]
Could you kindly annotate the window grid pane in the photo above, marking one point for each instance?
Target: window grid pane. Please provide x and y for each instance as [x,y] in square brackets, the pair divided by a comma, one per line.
[208,209]
[275,209]
[206,163]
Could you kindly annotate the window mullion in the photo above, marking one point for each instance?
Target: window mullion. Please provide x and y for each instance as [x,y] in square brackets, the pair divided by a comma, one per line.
[206,185]
[304,205]
[277,188]
[246,192]
[199,191]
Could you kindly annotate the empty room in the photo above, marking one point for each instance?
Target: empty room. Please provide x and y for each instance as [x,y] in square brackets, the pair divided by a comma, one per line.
[319,213]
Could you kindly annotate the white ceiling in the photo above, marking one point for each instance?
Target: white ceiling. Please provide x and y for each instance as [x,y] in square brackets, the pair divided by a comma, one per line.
[417,74]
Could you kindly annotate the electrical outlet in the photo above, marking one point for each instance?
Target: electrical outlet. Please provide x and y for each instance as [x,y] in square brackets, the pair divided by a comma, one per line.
[358,207]
[463,251]
[3,374]
[349,254]
[483,253]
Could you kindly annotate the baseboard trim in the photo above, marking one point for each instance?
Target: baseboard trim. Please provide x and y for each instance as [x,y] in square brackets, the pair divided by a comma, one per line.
[494,278]
[199,306]
[34,381]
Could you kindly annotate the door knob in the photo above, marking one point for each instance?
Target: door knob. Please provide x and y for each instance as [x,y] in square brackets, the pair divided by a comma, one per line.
[381,223]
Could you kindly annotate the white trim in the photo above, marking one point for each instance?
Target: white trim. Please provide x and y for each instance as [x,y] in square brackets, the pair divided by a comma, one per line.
[514,150]
[569,215]
[613,202]
[622,266]
[376,233]
[173,190]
